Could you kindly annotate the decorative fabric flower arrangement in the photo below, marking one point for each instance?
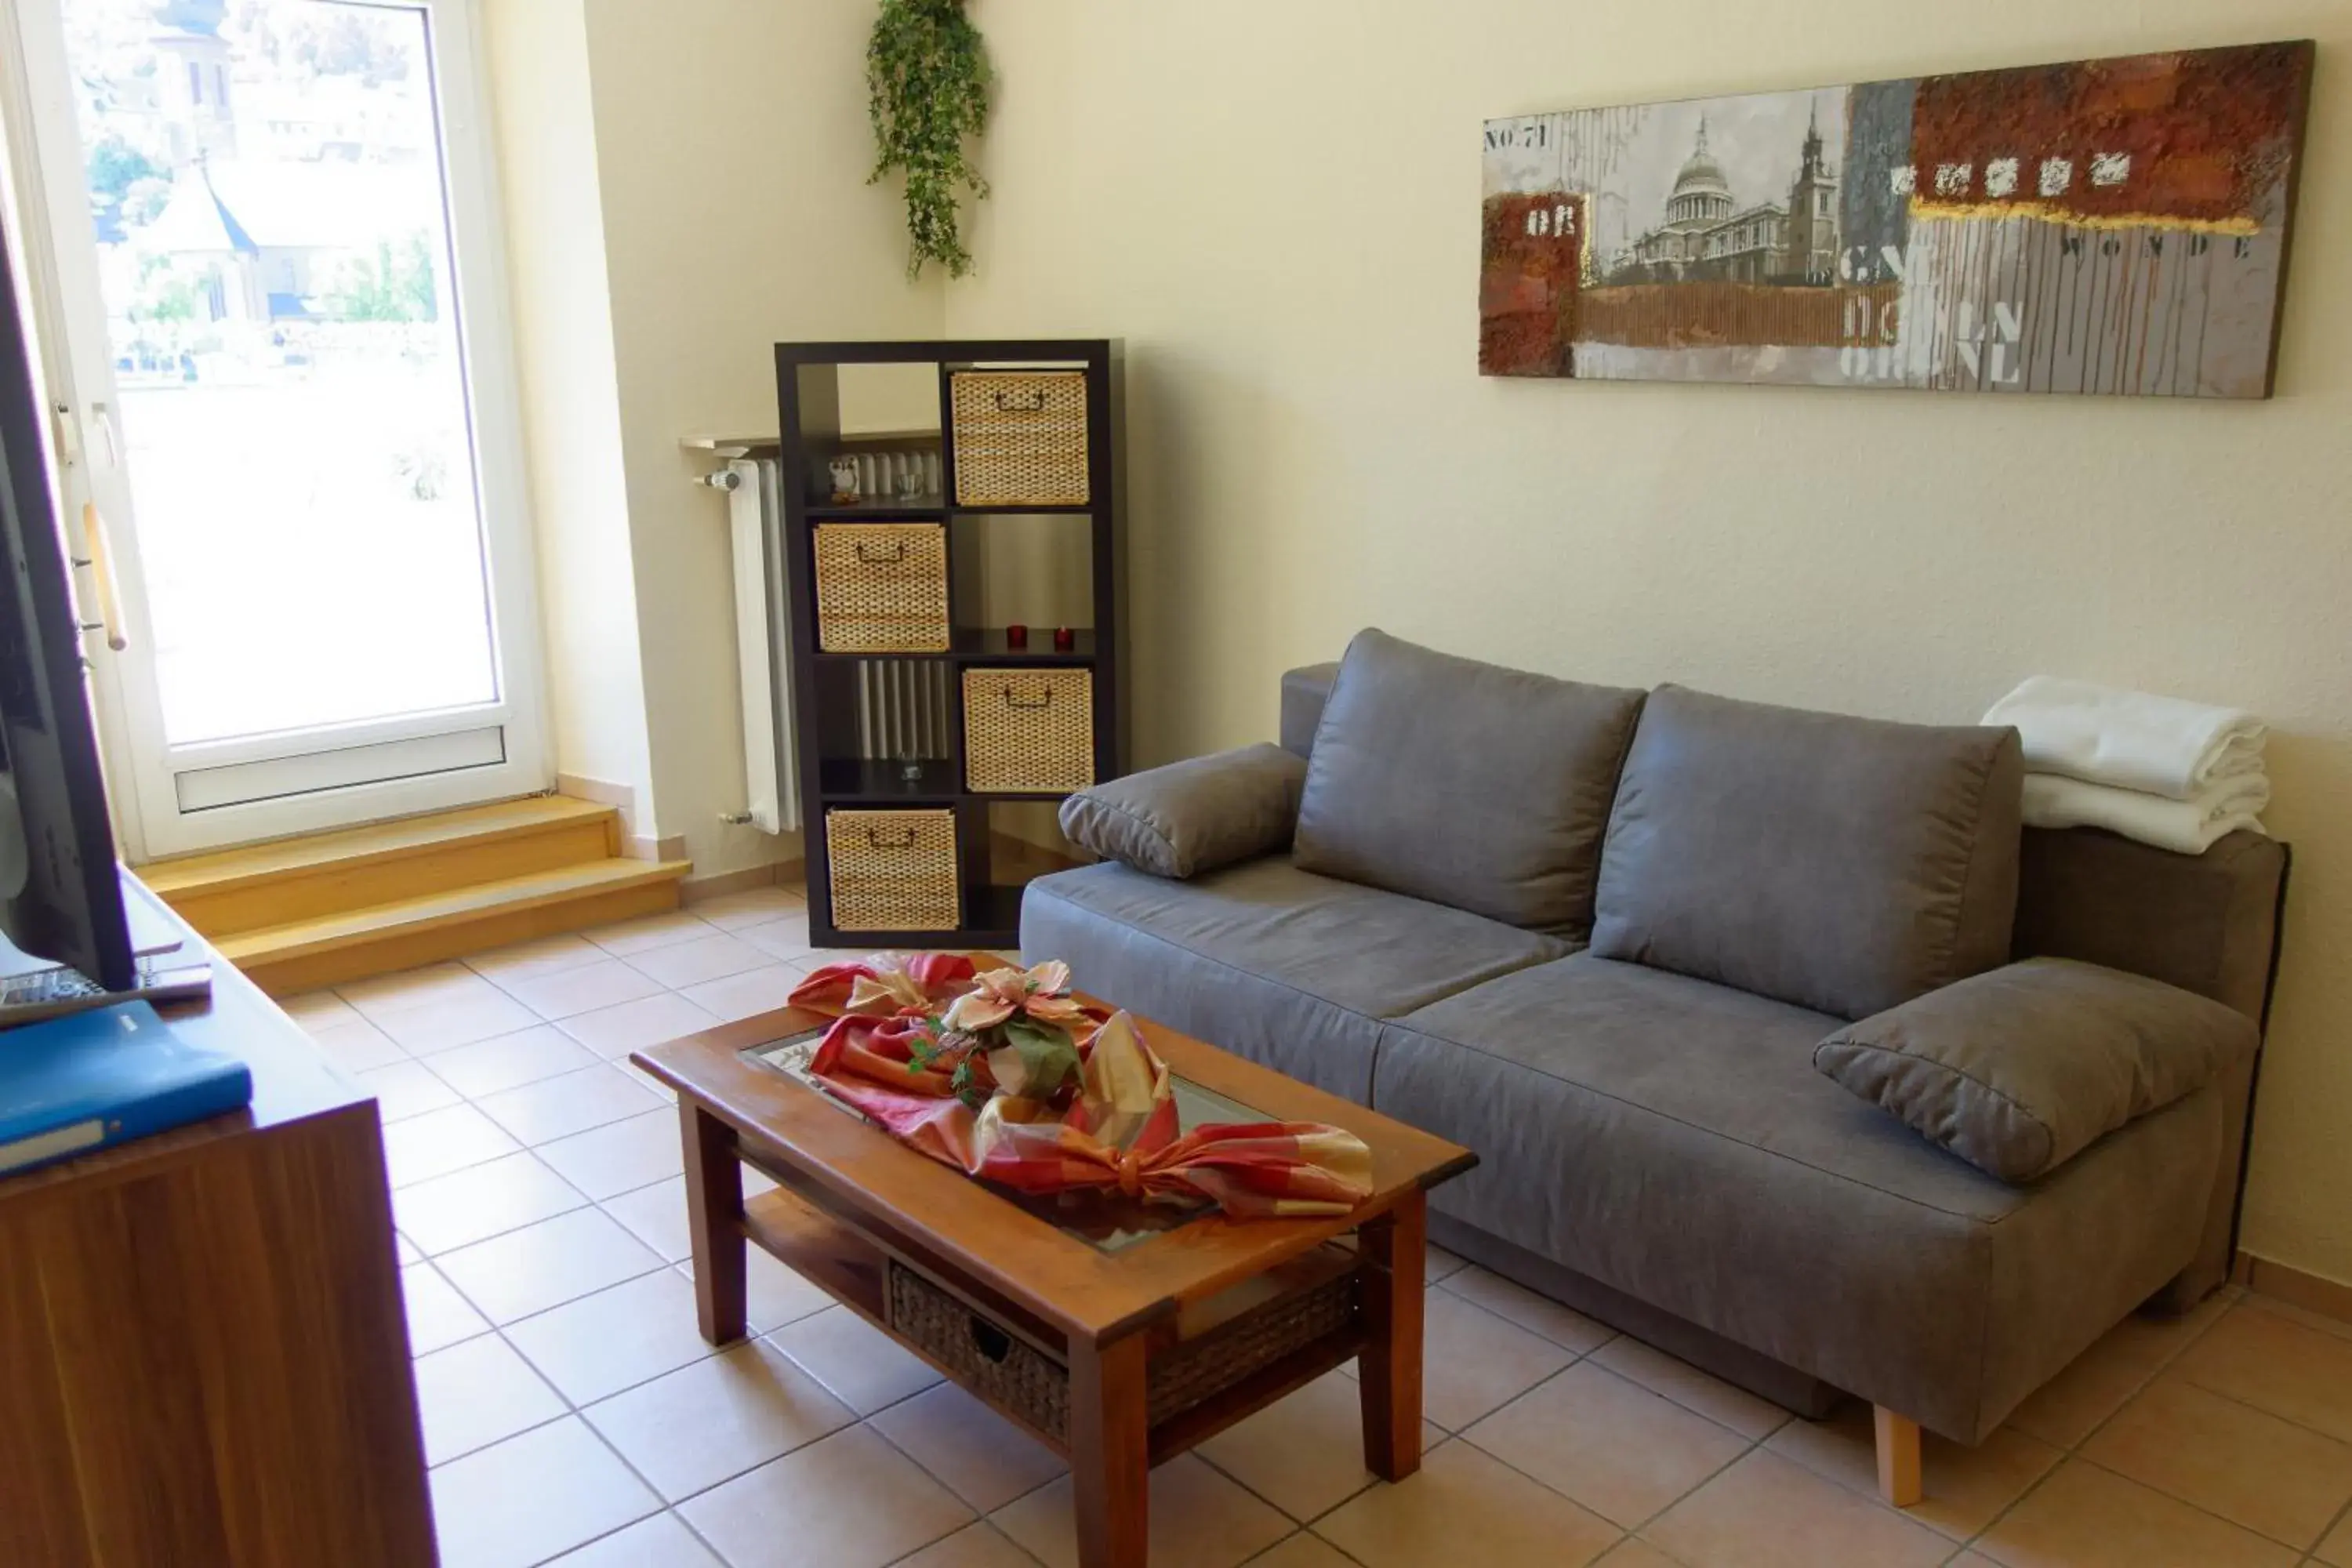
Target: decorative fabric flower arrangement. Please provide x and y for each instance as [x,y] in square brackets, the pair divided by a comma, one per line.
[1007,1076]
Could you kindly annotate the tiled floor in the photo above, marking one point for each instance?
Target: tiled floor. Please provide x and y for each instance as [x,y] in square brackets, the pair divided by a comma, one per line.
[573,1413]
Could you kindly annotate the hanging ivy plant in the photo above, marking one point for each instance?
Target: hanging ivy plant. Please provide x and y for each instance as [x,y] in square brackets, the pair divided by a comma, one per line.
[928,82]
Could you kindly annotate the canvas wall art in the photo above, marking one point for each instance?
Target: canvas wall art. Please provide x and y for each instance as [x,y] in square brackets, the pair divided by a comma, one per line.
[2112,225]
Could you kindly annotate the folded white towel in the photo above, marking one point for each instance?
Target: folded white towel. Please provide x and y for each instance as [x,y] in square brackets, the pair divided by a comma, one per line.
[2184,826]
[2131,740]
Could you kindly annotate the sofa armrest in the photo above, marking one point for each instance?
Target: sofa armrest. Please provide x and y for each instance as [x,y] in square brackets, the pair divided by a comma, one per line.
[2018,1069]
[1192,816]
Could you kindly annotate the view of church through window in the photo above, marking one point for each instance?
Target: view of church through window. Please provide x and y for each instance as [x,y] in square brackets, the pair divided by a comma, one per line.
[266,182]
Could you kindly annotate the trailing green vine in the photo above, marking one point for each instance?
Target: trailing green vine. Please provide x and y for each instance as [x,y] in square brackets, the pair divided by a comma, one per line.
[928,82]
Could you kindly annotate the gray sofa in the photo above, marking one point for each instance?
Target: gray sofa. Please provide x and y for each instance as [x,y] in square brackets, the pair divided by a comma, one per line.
[1600,937]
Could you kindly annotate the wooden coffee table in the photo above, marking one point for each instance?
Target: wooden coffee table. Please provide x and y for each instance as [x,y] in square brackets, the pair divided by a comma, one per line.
[1117,1336]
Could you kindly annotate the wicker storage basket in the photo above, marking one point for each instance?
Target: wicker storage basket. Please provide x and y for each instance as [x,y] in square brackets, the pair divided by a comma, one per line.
[893,870]
[1015,1376]
[882,587]
[1028,732]
[1020,438]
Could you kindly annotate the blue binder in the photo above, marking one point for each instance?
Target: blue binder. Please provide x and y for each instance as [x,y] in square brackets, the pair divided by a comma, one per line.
[94,1079]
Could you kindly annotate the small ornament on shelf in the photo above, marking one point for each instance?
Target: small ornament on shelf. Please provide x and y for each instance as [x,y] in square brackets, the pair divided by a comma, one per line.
[1016,636]
[844,472]
[1065,639]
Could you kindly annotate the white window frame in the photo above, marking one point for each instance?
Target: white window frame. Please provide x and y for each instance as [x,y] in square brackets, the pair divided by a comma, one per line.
[44,148]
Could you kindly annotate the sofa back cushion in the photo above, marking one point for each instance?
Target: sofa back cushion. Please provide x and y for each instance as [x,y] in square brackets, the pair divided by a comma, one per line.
[1846,865]
[1464,783]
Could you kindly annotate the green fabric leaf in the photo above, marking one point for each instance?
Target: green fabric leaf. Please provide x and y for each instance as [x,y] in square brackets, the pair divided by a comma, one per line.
[1046,1053]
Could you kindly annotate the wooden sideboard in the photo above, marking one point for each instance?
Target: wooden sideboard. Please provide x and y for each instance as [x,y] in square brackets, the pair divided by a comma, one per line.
[204,1355]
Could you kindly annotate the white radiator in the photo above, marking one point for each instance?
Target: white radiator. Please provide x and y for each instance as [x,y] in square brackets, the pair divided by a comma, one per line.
[764,651]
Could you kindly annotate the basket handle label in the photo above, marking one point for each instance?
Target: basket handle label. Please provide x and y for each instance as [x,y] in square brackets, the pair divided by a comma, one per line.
[993,1342]
[1045,699]
[875,839]
[1033,404]
[880,555]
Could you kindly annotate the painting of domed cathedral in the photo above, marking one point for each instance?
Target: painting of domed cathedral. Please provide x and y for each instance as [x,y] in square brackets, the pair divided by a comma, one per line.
[2114,225]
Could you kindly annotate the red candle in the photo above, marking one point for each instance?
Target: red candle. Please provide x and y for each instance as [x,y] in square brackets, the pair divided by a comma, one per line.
[1016,636]
[1065,639]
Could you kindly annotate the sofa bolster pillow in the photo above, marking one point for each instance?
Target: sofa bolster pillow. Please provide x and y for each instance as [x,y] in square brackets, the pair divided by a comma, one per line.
[2019,1069]
[1192,816]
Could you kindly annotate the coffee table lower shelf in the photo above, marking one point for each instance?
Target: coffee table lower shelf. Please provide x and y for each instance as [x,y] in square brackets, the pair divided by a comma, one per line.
[1221,1361]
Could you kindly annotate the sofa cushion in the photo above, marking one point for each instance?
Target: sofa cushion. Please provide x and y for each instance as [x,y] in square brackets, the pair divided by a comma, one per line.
[2019,1069]
[1271,962]
[1670,1139]
[1193,816]
[1464,783]
[1840,864]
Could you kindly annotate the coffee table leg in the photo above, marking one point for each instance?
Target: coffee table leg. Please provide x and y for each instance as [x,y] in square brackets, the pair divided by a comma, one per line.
[714,1208]
[1110,1451]
[1395,1253]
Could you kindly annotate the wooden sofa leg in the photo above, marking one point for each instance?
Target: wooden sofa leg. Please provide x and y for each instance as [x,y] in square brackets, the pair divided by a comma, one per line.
[1898,1457]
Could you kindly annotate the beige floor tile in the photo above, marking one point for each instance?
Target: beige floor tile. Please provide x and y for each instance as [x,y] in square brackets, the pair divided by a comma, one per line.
[317,1009]
[759,990]
[598,1345]
[981,1545]
[622,1156]
[1508,1299]
[2337,1549]
[786,940]
[2276,1364]
[656,1216]
[705,957]
[1966,1488]
[1474,1362]
[646,932]
[2229,1458]
[860,1364]
[749,907]
[442,1141]
[357,1046]
[2085,1516]
[478,1393]
[661,1542]
[408,1251]
[2338,1327]
[849,1501]
[477,1204]
[601,983]
[1199,1518]
[381,995]
[1612,1445]
[404,1089]
[691,1429]
[1442,1265]
[438,1315]
[1769,1512]
[1465,1507]
[542,955]
[1304,1454]
[541,1266]
[1636,1553]
[529,1497]
[977,1454]
[1691,1388]
[509,1061]
[615,1032]
[1304,1550]
[557,1108]
[2067,1408]
[436,1026]
[639,1076]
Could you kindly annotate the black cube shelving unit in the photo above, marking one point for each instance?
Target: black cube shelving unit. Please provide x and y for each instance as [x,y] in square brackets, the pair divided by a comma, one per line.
[831,705]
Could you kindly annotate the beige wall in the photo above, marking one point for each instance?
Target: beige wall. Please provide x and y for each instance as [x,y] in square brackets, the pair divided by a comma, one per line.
[538,56]
[1276,206]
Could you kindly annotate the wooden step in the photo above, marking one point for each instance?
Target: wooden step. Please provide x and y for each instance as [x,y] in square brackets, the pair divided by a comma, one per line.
[327,949]
[299,879]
